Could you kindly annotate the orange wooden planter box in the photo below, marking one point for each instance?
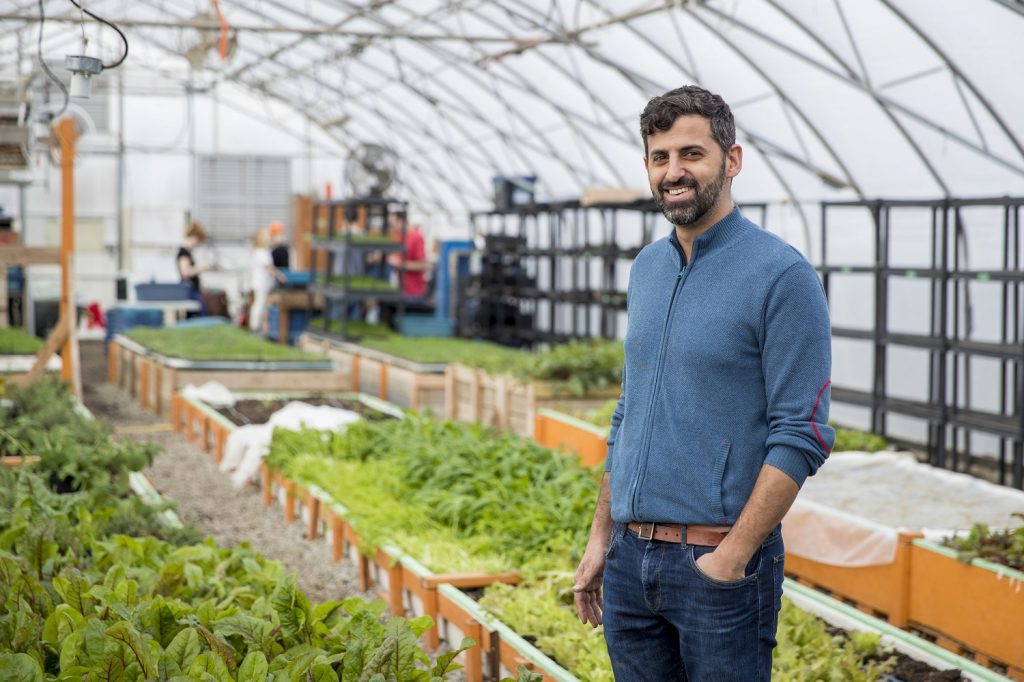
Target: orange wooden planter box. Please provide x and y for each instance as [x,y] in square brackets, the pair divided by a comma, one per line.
[402,382]
[473,395]
[881,590]
[560,431]
[155,379]
[976,607]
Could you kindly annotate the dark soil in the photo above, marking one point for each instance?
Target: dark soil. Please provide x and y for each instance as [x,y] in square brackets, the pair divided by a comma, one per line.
[259,411]
[908,669]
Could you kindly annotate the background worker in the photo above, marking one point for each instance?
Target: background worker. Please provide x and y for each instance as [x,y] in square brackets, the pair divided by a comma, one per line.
[262,277]
[723,415]
[185,261]
[279,252]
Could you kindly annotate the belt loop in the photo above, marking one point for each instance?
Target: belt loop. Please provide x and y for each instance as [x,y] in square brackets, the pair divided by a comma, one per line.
[649,536]
[682,539]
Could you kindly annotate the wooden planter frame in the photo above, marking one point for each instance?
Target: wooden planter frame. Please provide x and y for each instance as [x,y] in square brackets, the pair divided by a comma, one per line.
[408,384]
[154,379]
[198,421]
[560,431]
[502,401]
[975,607]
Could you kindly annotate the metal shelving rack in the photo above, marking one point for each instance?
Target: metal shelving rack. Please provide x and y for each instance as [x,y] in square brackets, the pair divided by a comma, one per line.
[550,247]
[335,244]
[949,411]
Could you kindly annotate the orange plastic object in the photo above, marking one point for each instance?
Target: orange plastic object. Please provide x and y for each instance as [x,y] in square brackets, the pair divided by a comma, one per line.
[981,609]
[563,434]
[882,591]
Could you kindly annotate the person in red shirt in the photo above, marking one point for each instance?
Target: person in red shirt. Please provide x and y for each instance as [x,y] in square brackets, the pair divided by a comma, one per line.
[413,256]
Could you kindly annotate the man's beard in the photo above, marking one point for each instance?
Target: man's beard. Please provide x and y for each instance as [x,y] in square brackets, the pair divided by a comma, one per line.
[704,199]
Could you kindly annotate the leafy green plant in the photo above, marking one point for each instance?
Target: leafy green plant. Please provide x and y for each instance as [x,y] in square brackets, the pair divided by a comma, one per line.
[16,341]
[221,342]
[79,603]
[76,451]
[439,350]
[361,329]
[495,493]
[1004,547]
[358,282]
[859,441]
[542,608]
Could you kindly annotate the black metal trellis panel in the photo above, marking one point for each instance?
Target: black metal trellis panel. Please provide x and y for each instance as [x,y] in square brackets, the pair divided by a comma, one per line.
[951,416]
[555,238]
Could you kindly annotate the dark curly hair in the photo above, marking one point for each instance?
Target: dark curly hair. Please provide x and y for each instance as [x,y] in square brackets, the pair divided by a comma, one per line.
[662,111]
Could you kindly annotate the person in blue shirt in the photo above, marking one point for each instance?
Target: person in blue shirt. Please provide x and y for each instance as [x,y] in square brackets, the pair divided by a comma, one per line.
[723,415]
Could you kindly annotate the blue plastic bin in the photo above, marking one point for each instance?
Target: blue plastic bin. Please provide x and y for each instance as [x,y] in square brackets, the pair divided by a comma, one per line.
[425,325]
[120,320]
[298,320]
[163,291]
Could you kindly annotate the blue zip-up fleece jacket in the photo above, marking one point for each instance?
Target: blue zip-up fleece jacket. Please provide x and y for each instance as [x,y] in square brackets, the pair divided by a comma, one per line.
[727,368]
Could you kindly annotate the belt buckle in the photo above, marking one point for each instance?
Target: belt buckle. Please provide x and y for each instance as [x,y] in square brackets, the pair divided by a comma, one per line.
[649,536]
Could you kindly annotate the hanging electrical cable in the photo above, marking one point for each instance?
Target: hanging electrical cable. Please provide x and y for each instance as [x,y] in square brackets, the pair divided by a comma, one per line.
[113,26]
[46,68]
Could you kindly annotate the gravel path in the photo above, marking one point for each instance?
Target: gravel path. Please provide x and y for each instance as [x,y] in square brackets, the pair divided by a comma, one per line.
[205,498]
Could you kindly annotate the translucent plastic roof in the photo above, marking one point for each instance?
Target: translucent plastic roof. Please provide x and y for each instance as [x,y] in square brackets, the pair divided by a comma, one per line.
[834,99]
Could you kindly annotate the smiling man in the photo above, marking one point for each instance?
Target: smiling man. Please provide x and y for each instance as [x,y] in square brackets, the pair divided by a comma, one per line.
[722,417]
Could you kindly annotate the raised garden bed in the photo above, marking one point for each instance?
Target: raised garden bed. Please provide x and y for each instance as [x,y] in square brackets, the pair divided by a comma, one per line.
[153,364]
[403,382]
[211,426]
[857,530]
[18,351]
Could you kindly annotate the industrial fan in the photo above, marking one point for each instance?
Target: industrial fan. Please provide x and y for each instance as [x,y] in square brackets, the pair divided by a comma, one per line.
[370,170]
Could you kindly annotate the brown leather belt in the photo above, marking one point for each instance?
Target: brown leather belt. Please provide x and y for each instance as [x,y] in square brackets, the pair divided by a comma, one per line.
[707,536]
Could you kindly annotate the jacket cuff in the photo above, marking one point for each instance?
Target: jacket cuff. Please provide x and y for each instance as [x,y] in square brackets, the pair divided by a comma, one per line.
[789,461]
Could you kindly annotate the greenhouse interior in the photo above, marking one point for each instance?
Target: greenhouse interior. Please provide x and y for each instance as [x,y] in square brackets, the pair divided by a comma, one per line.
[520,340]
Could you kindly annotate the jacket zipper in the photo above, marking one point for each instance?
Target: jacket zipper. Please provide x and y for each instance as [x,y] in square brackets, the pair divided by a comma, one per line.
[646,446]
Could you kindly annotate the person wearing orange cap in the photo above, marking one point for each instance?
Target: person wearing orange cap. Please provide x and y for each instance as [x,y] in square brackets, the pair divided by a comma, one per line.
[279,248]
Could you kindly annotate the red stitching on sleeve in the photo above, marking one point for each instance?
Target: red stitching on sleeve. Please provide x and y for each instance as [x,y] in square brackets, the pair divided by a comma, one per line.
[814,425]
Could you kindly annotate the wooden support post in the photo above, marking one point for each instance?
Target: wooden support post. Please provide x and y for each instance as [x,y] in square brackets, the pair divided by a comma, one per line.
[312,516]
[289,501]
[267,481]
[414,390]
[68,136]
[220,436]
[355,374]
[144,365]
[337,536]
[112,363]
[382,390]
[206,432]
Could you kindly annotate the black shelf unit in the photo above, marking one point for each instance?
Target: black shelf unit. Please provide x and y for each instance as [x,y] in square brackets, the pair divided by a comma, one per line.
[342,250]
[950,412]
[568,255]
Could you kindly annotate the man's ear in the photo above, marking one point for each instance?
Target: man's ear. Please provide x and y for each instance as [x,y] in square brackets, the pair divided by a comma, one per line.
[734,161]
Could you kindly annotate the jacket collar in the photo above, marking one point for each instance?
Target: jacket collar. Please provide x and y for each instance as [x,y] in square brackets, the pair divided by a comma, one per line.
[720,235]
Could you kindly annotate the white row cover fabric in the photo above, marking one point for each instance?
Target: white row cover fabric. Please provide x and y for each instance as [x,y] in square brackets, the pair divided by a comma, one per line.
[246,446]
[851,511]
[212,393]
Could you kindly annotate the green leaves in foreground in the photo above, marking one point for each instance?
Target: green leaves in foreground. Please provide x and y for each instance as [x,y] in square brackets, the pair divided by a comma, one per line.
[76,603]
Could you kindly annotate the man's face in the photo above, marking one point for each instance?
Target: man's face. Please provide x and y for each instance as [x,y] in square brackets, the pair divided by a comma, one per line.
[687,170]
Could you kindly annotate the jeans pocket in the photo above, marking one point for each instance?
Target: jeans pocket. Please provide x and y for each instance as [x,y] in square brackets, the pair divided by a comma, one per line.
[617,532]
[749,578]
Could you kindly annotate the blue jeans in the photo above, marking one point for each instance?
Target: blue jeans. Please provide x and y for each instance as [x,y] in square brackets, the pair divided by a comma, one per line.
[666,620]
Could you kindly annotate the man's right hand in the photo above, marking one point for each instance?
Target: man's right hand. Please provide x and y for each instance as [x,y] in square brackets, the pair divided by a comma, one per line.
[587,586]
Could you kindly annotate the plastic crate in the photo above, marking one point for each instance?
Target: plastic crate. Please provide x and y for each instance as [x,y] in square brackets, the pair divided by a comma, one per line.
[120,320]
[163,291]
[298,320]
[425,325]
[296,279]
